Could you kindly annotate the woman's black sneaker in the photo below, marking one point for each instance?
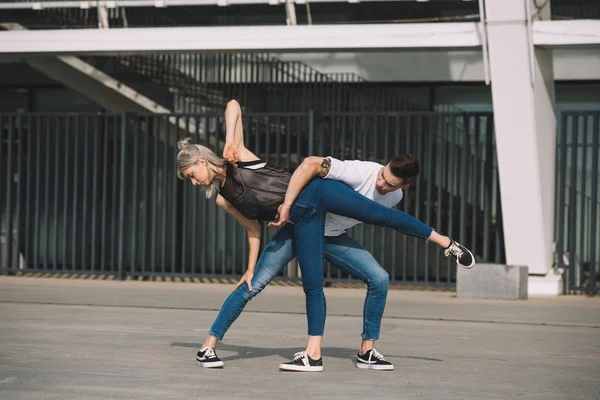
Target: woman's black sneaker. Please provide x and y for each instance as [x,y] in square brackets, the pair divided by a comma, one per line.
[303,363]
[373,359]
[207,358]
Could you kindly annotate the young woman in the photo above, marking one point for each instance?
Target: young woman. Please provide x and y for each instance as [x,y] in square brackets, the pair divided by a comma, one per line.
[255,191]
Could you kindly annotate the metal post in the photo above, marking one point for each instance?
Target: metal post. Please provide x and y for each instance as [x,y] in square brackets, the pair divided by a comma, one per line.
[484,40]
[121,272]
[9,184]
[530,40]
[594,206]
[311,133]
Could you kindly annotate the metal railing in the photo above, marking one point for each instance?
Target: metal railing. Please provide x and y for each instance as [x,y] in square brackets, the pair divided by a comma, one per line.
[98,193]
[578,203]
[574,9]
[203,82]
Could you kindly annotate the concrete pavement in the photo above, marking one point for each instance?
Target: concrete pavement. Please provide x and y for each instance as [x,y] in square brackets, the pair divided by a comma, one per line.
[98,339]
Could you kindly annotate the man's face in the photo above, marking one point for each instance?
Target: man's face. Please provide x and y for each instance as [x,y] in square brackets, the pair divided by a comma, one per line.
[388,182]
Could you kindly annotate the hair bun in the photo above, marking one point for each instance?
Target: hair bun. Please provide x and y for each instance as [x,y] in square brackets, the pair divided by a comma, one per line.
[182,144]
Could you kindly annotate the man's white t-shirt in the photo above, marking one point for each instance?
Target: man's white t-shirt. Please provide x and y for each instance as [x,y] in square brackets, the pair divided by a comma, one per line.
[362,177]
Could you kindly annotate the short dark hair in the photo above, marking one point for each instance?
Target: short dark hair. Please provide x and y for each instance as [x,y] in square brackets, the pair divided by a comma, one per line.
[406,167]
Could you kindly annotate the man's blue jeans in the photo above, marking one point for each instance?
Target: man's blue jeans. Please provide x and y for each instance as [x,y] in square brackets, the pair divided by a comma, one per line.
[342,251]
[308,215]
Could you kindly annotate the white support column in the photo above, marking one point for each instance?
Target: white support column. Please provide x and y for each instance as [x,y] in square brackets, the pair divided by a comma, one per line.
[524,115]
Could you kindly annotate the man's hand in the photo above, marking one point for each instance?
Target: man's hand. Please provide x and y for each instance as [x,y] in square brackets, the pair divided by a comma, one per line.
[231,153]
[282,217]
[247,277]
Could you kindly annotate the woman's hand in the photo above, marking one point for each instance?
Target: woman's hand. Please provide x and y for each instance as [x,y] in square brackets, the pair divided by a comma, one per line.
[247,277]
[231,153]
[282,217]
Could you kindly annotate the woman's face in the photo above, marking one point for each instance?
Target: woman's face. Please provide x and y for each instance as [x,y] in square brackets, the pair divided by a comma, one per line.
[199,173]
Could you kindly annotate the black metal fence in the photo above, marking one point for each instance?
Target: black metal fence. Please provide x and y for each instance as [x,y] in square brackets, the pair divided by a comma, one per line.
[578,204]
[98,193]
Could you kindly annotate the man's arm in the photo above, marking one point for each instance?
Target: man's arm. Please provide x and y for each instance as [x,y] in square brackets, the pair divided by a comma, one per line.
[234,135]
[310,168]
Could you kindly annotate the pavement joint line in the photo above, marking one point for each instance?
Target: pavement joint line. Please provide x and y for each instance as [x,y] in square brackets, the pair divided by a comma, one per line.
[302,313]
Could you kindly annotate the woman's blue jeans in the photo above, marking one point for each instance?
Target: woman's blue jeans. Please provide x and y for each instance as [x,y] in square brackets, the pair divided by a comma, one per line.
[319,197]
[342,251]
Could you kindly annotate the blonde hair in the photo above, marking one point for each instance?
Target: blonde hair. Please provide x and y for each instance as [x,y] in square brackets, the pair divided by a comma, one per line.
[190,153]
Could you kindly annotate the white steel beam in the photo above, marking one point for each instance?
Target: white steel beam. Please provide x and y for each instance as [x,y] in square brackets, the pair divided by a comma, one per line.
[242,38]
[84,4]
[306,38]
[556,34]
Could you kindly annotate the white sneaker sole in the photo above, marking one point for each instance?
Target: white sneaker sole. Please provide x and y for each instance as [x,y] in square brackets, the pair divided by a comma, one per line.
[374,366]
[219,364]
[472,258]
[472,264]
[300,368]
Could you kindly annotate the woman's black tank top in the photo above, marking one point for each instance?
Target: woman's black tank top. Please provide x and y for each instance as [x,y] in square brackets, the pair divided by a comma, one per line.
[256,189]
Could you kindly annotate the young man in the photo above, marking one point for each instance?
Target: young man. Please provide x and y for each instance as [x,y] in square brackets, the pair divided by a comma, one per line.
[382,184]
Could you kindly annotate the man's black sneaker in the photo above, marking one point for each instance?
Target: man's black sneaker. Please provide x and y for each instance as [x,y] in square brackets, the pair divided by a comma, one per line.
[303,363]
[461,254]
[373,359]
[207,358]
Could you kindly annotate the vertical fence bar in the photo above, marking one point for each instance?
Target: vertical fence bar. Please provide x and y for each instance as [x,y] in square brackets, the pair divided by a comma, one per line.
[453,143]
[432,122]
[583,213]
[407,203]
[47,197]
[19,180]
[375,157]
[56,189]
[386,155]
[86,174]
[365,153]
[418,201]
[468,174]
[311,134]
[9,184]
[146,137]
[163,186]
[4,194]
[268,139]
[487,189]
[156,122]
[115,203]
[562,187]
[97,132]
[572,203]
[594,206]
[196,203]
[65,182]
[104,216]
[215,213]
[441,156]
[394,232]
[174,198]
[28,176]
[184,236]
[476,186]
[38,186]
[75,195]
[120,258]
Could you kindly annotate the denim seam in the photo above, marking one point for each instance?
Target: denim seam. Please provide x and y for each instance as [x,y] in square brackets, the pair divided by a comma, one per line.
[212,333]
